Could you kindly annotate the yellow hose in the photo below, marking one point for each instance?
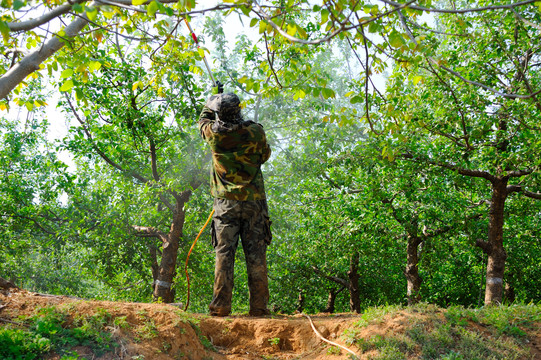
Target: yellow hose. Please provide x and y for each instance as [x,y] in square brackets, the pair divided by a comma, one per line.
[188,257]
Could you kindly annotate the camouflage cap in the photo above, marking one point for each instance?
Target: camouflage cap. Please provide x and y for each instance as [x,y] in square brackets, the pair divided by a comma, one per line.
[227,106]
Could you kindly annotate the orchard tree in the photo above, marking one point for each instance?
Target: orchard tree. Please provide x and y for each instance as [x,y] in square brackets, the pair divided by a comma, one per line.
[138,119]
[484,128]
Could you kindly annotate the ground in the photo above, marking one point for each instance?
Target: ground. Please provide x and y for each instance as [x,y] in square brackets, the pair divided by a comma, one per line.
[162,332]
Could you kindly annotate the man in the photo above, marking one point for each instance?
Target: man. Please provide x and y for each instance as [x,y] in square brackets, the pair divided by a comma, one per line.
[239,148]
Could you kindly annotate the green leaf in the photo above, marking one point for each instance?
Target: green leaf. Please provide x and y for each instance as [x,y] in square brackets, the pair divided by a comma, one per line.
[373,27]
[395,39]
[29,106]
[4,29]
[67,86]
[253,22]
[91,12]
[66,73]
[324,16]
[152,8]
[262,27]
[138,2]
[327,93]
[78,8]
[416,79]
[356,99]
[17,4]
[245,10]
[79,94]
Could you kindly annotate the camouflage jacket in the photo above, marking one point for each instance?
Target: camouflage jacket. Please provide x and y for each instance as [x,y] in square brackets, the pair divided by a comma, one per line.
[238,150]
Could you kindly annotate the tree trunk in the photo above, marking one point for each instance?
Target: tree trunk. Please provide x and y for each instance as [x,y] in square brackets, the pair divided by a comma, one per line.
[494,246]
[6,284]
[353,275]
[163,290]
[331,300]
[413,278]
[300,302]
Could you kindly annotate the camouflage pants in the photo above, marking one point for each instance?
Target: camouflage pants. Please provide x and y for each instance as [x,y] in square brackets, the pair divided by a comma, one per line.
[250,221]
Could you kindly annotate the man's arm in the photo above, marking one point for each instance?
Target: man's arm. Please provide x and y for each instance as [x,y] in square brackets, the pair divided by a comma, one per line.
[206,119]
[267,150]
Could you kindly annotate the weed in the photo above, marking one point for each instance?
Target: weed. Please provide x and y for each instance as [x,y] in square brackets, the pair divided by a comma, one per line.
[166,346]
[334,350]
[451,337]
[376,315]
[147,331]
[121,322]
[48,330]
[274,341]
[350,336]
[207,344]
[21,344]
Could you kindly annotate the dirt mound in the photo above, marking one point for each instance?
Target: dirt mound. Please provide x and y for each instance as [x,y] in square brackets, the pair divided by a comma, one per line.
[163,332]
[289,337]
[139,331]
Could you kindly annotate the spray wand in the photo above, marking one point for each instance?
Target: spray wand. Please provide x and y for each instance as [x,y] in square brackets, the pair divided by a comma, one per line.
[220,90]
[194,37]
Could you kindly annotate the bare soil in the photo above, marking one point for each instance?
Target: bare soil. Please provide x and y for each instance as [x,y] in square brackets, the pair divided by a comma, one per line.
[165,332]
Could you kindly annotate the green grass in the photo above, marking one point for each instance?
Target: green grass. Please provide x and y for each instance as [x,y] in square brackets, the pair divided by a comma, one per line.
[429,332]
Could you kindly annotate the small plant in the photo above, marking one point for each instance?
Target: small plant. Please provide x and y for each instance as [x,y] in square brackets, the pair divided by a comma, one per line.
[350,336]
[21,344]
[166,346]
[121,322]
[274,341]
[147,331]
[334,350]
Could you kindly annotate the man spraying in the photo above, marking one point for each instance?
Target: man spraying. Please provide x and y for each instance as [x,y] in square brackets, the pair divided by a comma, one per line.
[239,148]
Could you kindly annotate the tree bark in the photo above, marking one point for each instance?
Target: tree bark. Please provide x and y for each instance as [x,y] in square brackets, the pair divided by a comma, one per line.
[6,284]
[331,300]
[413,278]
[494,246]
[353,275]
[163,286]
[300,302]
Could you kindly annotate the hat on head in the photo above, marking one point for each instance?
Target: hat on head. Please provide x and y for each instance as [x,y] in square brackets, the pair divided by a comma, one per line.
[226,106]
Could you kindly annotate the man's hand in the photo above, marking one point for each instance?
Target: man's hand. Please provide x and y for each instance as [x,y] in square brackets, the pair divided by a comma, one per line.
[218,89]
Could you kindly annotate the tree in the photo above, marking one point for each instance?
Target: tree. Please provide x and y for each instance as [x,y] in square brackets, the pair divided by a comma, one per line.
[147,134]
[474,131]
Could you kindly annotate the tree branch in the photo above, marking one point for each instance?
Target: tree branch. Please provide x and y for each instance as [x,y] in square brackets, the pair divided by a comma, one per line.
[259,11]
[520,189]
[34,23]
[148,231]
[331,278]
[463,11]
[31,62]
[99,151]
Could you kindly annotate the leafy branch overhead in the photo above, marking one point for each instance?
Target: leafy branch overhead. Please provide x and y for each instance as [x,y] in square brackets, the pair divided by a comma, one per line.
[384,29]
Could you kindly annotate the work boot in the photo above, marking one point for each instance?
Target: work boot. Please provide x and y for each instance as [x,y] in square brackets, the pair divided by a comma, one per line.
[259,312]
[219,312]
